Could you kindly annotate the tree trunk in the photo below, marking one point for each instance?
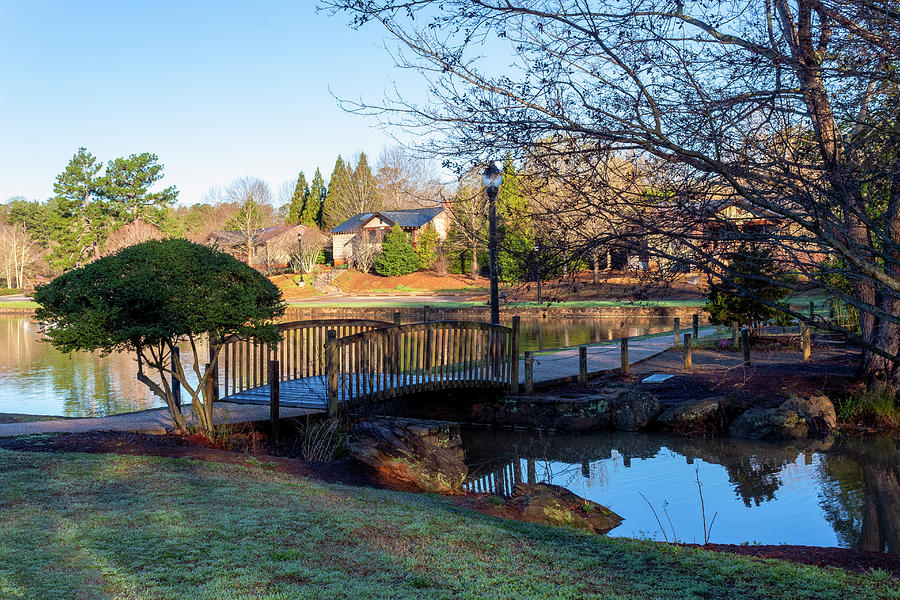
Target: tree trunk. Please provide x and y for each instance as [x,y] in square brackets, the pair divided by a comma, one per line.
[595,262]
[474,268]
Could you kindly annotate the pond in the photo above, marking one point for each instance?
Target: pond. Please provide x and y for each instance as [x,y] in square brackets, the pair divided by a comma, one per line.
[836,492]
[37,379]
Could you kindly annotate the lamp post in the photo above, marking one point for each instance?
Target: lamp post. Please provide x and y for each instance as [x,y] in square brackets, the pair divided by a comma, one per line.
[492,178]
[300,250]
[537,266]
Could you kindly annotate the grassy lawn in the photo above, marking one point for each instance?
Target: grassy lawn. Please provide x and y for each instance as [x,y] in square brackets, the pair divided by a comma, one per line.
[107,526]
[19,304]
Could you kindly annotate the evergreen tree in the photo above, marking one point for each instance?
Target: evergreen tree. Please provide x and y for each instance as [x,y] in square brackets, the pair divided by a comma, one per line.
[516,233]
[126,189]
[397,256]
[81,219]
[312,210]
[299,199]
[730,301]
[427,247]
[333,208]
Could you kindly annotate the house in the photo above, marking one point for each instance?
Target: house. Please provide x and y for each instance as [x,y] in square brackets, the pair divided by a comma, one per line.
[369,228]
[272,246]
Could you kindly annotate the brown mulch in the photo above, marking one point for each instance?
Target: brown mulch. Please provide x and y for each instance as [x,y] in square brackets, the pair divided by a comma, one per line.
[348,472]
[774,375]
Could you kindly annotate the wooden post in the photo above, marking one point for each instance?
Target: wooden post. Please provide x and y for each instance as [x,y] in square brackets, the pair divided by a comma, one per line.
[735,333]
[214,376]
[695,326]
[676,326]
[624,364]
[514,357]
[397,320]
[688,358]
[176,385]
[745,345]
[425,313]
[274,397]
[331,373]
[582,365]
[529,372]
[805,341]
[812,310]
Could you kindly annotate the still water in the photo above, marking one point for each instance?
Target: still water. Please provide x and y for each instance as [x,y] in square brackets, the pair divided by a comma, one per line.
[836,492]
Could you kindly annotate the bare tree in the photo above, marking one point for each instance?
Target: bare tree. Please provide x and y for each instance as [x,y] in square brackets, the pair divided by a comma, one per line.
[312,242]
[366,245]
[18,254]
[132,233]
[406,180]
[787,107]
[255,210]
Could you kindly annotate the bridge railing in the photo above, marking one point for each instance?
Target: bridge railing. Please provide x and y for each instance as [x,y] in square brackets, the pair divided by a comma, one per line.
[402,359]
[300,352]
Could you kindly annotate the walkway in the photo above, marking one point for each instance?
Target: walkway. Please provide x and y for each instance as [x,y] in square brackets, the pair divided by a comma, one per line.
[156,421]
[561,366]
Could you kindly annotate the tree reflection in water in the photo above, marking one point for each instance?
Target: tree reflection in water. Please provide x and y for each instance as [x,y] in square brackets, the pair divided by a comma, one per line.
[845,490]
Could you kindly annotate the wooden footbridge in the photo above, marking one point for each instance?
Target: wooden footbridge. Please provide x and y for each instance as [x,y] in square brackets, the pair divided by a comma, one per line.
[339,364]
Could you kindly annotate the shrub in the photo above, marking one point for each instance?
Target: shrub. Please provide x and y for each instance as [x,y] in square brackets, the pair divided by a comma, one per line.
[397,256]
[427,247]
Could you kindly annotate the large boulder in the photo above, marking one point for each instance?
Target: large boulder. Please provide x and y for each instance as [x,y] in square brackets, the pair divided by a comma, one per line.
[818,411]
[399,454]
[769,424]
[555,505]
[634,409]
[710,416]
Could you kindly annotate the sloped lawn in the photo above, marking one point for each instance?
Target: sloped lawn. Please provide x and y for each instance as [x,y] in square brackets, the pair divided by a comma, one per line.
[111,526]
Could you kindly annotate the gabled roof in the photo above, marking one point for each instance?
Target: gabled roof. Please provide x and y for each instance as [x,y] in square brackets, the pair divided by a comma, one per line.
[236,238]
[407,219]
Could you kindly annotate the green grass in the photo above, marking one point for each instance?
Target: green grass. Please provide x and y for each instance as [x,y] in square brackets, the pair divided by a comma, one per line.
[878,407]
[19,304]
[126,527]
[9,291]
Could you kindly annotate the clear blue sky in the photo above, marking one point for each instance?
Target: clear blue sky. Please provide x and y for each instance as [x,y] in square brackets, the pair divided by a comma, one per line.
[216,90]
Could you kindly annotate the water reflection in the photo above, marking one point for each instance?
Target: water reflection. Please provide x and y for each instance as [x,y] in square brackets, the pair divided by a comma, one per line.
[836,492]
[540,333]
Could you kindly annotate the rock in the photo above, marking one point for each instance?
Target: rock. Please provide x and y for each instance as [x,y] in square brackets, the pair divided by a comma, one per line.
[399,454]
[634,409]
[555,505]
[710,416]
[769,424]
[817,410]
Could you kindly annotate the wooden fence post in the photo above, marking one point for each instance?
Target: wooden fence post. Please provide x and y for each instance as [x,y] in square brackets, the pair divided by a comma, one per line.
[745,345]
[676,326]
[688,358]
[812,310]
[695,326]
[425,313]
[331,373]
[582,365]
[514,357]
[176,385]
[274,397]
[805,341]
[397,320]
[529,372]
[624,364]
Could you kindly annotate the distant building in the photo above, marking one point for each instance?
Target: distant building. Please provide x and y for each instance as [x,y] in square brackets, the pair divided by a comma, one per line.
[272,246]
[369,229]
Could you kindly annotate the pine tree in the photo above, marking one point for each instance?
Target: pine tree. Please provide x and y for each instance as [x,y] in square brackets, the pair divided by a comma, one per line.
[297,207]
[754,273]
[333,208]
[81,220]
[313,207]
[397,256]
[517,237]
[126,189]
